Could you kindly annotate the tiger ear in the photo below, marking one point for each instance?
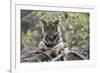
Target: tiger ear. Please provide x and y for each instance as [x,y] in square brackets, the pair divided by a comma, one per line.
[44,22]
[56,22]
[44,25]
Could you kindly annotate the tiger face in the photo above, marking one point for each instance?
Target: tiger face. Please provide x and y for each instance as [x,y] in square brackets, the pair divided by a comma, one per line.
[50,28]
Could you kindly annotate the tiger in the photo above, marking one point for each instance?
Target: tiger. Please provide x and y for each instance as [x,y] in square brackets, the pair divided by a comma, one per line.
[52,36]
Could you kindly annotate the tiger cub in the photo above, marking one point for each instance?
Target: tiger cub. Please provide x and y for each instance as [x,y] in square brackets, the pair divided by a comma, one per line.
[52,36]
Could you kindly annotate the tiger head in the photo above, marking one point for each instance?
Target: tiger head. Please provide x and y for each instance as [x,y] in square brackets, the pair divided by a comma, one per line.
[50,28]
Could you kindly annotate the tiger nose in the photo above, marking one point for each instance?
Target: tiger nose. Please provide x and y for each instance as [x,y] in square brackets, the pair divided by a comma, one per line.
[50,32]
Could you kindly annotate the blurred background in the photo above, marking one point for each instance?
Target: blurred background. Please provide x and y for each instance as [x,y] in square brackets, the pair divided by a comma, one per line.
[74,28]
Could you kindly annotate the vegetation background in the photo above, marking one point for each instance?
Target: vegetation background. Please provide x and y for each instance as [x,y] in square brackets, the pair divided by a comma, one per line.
[74,28]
